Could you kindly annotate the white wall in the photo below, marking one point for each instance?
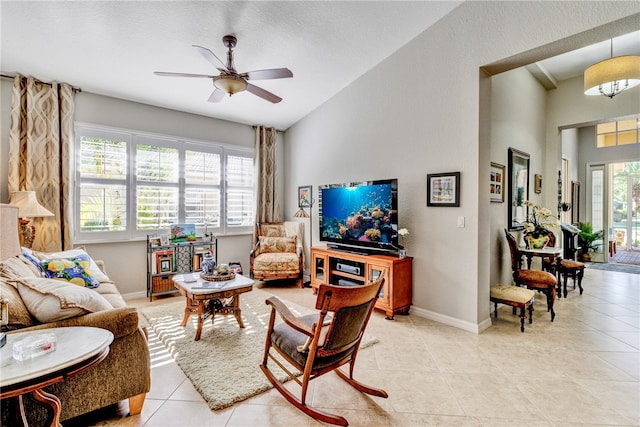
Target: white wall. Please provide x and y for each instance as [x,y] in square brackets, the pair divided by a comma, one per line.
[516,122]
[420,112]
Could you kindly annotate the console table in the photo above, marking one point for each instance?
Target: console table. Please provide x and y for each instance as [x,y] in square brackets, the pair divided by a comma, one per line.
[342,268]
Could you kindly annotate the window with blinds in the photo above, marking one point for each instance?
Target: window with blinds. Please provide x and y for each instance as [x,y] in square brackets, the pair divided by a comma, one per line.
[129,185]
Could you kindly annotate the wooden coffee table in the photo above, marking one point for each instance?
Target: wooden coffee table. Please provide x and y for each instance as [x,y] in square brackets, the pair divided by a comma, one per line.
[77,348]
[205,299]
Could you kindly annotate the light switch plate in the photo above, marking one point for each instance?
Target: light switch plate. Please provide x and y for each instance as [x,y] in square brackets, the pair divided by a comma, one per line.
[460,222]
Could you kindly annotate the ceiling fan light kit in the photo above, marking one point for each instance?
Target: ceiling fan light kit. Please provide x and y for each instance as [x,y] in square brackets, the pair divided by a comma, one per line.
[613,75]
[230,84]
[229,80]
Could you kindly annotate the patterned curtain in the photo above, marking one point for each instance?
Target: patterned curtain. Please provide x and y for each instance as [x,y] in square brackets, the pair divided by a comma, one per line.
[267,199]
[40,146]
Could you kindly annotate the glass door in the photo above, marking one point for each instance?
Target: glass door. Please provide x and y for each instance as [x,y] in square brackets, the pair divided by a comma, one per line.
[625,206]
[596,212]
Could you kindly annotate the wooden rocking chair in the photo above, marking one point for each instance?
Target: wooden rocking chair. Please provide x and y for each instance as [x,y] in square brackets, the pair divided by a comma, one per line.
[322,342]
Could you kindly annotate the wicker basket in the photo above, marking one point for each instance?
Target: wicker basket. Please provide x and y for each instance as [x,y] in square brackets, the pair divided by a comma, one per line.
[217,277]
[162,283]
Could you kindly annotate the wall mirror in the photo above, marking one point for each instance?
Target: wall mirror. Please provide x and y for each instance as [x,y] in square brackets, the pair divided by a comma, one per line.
[575,202]
[518,188]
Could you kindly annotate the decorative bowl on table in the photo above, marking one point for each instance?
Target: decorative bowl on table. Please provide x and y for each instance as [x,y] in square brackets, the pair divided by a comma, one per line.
[217,277]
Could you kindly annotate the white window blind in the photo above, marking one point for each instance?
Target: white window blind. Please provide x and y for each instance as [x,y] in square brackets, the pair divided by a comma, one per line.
[131,184]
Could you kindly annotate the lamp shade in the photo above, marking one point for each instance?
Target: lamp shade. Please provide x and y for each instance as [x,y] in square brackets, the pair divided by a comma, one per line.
[612,76]
[9,238]
[28,206]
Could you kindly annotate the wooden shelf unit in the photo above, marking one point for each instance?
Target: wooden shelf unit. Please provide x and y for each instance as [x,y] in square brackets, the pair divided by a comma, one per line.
[165,261]
[350,269]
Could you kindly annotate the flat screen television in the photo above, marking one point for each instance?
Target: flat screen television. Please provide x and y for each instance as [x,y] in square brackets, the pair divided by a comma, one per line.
[360,216]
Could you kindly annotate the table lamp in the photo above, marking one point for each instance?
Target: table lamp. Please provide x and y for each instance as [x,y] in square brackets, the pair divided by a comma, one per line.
[28,207]
[9,247]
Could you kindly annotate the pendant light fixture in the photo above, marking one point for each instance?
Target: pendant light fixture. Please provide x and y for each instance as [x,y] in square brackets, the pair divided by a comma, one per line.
[613,75]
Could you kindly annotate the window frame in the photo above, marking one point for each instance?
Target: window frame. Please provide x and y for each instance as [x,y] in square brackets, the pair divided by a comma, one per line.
[133,139]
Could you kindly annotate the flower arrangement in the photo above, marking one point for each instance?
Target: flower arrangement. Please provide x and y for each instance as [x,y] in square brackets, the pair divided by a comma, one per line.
[540,222]
[403,232]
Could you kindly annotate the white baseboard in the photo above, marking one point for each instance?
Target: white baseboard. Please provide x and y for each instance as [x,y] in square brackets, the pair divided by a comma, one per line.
[134,295]
[451,321]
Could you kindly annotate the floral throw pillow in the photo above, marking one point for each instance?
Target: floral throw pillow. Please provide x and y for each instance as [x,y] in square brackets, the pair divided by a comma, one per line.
[74,270]
[277,244]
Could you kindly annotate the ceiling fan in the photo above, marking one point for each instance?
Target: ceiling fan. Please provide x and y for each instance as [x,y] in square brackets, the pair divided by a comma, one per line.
[229,80]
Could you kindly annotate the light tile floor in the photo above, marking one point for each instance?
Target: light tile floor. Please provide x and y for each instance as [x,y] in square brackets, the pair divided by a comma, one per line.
[582,369]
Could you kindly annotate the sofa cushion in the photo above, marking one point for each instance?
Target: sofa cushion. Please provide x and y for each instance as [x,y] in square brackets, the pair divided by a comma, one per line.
[19,316]
[109,291]
[277,244]
[51,300]
[15,267]
[93,267]
[276,262]
[74,270]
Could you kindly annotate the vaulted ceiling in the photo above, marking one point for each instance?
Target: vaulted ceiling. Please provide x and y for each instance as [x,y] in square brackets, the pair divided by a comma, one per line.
[112,48]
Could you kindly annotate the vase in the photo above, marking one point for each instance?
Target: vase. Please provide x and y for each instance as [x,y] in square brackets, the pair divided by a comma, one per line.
[208,264]
[402,253]
[536,242]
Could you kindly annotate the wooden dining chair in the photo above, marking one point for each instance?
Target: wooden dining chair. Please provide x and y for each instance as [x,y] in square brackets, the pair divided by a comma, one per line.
[566,268]
[322,342]
[536,280]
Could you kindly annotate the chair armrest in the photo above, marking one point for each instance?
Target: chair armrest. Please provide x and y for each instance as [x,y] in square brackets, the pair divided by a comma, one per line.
[288,317]
[121,321]
[255,251]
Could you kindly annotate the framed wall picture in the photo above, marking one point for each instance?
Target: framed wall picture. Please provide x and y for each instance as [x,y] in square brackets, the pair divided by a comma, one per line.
[304,196]
[537,183]
[496,183]
[443,189]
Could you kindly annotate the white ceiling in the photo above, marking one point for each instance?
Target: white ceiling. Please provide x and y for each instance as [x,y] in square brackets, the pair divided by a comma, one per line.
[112,48]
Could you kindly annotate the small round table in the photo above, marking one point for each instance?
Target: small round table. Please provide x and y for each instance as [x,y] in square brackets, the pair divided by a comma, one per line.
[77,349]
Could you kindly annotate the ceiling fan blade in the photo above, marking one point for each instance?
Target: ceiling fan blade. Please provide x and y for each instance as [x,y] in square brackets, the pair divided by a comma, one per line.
[164,73]
[217,95]
[211,57]
[264,94]
[274,73]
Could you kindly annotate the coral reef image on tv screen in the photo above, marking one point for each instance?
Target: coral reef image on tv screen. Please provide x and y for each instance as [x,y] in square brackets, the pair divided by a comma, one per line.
[359,214]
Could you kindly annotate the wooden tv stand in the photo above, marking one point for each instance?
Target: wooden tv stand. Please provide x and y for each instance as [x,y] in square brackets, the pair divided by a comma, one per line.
[343,268]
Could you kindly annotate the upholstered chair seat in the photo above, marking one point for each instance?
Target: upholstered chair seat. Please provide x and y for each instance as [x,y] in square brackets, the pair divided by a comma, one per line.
[572,268]
[515,297]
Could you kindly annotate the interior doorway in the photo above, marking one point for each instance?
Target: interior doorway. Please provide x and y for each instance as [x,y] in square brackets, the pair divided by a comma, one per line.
[624,212]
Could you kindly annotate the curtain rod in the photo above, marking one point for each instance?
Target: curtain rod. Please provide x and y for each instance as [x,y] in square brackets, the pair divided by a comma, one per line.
[277,130]
[6,76]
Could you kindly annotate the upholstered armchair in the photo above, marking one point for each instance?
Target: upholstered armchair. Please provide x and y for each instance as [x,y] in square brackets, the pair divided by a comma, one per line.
[278,253]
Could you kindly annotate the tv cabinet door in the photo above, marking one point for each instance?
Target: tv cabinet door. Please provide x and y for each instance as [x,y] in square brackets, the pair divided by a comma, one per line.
[319,269]
[384,298]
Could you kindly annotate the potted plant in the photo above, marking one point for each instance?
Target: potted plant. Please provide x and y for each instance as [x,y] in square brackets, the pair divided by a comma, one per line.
[586,240]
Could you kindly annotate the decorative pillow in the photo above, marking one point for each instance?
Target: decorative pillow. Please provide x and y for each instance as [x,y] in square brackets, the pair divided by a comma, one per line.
[71,253]
[277,244]
[74,270]
[272,230]
[15,267]
[51,300]
[27,254]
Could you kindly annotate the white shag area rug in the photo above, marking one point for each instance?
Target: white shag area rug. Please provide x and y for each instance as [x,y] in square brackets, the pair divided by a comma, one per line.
[224,364]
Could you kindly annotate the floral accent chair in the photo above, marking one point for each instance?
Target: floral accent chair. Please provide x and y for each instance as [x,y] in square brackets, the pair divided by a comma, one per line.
[278,253]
